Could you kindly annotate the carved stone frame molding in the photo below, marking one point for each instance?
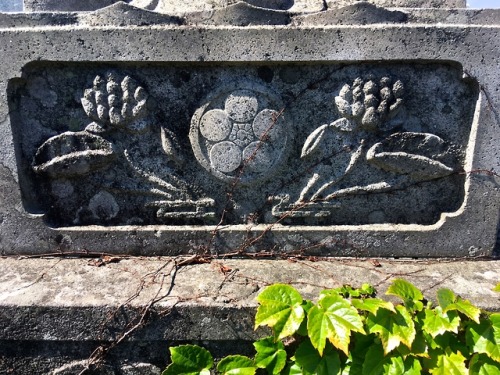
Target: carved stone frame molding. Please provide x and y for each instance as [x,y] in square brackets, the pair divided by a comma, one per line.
[469,231]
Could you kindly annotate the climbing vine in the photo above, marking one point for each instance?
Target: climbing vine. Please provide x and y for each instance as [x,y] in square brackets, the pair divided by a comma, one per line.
[349,331]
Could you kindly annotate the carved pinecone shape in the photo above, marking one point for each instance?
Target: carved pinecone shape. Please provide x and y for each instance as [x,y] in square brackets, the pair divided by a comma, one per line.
[370,103]
[117,104]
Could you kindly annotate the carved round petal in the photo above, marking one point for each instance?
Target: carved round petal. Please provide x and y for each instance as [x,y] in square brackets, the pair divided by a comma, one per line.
[115,116]
[140,94]
[241,105]
[370,87]
[343,107]
[371,101]
[139,109]
[357,93]
[112,87]
[396,106]
[358,109]
[269,126]
[128,84]
[90,108]
[99,83]
[398,89]
[113,101]
[100,97]
[102,112]
[385,82]
[346,93]
[383,108]
[215,125]
[225,157]
[259,157]
[386,94]
[127,110]
[371,119]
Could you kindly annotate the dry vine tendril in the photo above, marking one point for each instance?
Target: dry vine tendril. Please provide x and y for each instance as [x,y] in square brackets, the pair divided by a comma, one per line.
[349,331]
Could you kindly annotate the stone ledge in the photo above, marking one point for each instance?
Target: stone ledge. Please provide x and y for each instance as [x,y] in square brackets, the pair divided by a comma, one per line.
[58,310]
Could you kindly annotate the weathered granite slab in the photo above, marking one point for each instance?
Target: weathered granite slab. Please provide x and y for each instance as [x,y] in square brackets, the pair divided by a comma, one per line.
[55,312]
[65,5]
[175,6]
[401,3]
[158,137]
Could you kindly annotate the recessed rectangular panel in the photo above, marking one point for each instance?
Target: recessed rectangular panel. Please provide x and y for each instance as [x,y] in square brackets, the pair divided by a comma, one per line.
[197,144]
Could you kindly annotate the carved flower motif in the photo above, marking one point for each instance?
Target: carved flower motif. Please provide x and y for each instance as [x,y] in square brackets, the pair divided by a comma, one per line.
[370,104]
[112,102]
[242,135]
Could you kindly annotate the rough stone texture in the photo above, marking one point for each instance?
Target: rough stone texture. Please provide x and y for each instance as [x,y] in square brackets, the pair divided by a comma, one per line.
[181,7]
[402,3]
[73,305]
[65,5]
[138,137]
[141,156]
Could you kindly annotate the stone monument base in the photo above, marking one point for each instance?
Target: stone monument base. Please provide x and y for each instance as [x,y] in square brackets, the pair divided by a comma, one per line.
[60,315]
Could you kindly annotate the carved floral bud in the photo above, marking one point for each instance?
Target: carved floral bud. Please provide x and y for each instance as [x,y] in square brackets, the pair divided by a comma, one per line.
[368,104]
[370,88]
[115,103]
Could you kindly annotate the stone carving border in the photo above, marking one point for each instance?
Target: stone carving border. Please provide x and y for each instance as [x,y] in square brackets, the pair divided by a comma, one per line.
[471,231]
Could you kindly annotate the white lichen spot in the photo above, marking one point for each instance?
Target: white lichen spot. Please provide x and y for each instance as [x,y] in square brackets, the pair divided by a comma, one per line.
[103,206]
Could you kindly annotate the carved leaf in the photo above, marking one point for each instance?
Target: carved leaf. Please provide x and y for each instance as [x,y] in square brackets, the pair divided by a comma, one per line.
[72,154]
[397,154]
[319,135]
[313,140]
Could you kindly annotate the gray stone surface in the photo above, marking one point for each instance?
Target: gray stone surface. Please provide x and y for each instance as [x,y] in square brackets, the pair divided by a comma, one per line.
[65,5]
[181,7]
[402,3]
[125,144]
[73,305]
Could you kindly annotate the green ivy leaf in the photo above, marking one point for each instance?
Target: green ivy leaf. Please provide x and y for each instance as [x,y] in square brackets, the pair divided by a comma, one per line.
[481,364]
[374,361]
[311,362]
[393,328]
[445,298]
[372,305]
[449,363]
[368,289]
[466,308]
[280,308]
[377,364]
[485,337]
[401,366]
[236,365]
[419,347]
[497,288]
[189,360]
[292,369]
[361,342]
[271,355]
[412,366]
[175,369]
[405,290]
[437,322]
[333,318]
[306,305]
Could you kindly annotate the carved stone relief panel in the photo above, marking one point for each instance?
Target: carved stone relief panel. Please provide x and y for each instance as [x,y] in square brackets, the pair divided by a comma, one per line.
[294,144]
